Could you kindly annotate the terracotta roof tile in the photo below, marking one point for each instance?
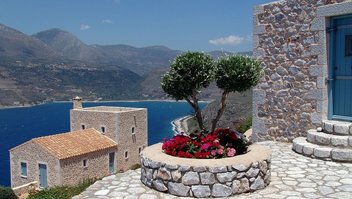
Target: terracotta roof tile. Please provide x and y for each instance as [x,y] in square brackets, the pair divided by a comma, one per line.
[75,143]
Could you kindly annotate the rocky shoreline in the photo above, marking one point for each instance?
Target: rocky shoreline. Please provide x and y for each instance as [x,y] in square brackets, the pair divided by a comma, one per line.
[180,125]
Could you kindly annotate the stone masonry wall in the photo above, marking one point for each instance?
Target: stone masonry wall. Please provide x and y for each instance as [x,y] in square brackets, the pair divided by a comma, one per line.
[33,154]
[118,127]
[97,167]
[292,97]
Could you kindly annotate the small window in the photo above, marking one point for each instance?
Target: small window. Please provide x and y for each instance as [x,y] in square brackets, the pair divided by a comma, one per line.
[83,126]
[133,130]
[85,163]
[348,45]
[23,169]
[102,129]
[126,154]
[139,149]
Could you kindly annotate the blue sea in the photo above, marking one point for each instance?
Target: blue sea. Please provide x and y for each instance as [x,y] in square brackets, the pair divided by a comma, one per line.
[18,125]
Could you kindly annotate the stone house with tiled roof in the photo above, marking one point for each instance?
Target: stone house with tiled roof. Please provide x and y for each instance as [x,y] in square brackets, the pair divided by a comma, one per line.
[66,158]
[103,140]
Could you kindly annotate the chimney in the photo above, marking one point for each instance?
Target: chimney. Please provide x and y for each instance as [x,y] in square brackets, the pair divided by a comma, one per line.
[77,102]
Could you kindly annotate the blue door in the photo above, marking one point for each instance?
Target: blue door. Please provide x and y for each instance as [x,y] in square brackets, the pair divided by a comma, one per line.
[43,180]
[340,70]
[112,162]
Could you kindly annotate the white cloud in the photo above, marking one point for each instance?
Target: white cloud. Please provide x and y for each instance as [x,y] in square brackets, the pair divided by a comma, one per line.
[85,27]
[106,21]
[230,40]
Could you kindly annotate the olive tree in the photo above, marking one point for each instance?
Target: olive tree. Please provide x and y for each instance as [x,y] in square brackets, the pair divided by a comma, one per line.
[235,74]
[189,73]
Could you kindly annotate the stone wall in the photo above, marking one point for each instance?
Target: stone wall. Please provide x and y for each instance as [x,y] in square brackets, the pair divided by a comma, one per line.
[73,172]
[206,178]
[33,154]
[289,37]
[118,126]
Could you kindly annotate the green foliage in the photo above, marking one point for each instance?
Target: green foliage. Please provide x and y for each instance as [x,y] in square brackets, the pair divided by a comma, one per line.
[190,72]
[135,166]
[62,192]
[237,73]
[245,125]
[7,193]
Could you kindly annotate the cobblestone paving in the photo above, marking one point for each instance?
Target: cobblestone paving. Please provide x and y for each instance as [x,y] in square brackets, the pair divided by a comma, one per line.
[293,176]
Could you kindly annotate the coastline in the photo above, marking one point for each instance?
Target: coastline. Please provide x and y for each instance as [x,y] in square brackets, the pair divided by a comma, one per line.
[156,100]
[179,125]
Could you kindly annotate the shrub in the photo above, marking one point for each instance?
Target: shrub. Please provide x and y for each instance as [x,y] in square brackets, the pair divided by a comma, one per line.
[7,193]
[62,192]
[245,125]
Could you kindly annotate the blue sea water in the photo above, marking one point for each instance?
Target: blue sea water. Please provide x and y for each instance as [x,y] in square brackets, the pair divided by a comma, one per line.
[18,125]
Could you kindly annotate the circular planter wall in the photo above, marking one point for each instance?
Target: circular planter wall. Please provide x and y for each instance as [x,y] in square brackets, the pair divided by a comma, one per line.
[206,177]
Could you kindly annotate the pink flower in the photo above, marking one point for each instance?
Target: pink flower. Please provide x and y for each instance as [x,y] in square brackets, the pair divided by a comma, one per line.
[205,146]
[231,152]
[213,152]
[220,151]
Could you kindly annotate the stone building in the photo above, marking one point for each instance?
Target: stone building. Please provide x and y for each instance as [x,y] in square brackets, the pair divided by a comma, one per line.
[103,140]
[66,158]
[306,50]
[126,126]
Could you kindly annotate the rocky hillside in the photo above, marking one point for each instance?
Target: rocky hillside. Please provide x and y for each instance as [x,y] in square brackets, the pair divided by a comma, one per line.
[56,65]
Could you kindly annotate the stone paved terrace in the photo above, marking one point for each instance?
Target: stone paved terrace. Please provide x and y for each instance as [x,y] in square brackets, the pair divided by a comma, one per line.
[293,176]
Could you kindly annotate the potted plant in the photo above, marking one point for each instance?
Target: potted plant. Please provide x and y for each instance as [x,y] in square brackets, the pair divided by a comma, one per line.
[191,72]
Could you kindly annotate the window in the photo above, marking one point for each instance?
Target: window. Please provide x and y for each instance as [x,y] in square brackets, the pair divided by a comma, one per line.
[102,129]
[83,126]
[126,154]
[85,163]
[23,169]
[348,45]
[133,130]
[139,149]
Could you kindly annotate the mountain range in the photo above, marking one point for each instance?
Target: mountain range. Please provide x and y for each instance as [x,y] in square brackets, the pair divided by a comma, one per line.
[55,65]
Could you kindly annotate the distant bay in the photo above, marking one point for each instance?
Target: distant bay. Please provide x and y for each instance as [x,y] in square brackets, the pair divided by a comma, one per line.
[18,125]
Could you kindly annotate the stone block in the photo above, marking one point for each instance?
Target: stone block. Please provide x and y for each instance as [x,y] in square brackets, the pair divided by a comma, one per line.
[298,144]
[318,24]
[207,178]
[334,9]
[321,82]
[259,29]
[176,175]
[259,9]
[257,184]
[342,128]
[226,177]
[311,136]
[341,154]
[159,185]
[244,187]
[178,189]
[339,141]
[190,178]
[350,141]
[308,149]
[220,190]
[328,126]
[316,70]
[322,152]
[252,173]
[199,169]
[164,174]
[217,169]
[323,139]
[201,191]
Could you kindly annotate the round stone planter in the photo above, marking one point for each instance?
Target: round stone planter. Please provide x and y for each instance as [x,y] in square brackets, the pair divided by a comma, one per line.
[206,177]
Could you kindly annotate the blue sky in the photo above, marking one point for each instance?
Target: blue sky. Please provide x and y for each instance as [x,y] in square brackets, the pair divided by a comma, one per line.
[202,25]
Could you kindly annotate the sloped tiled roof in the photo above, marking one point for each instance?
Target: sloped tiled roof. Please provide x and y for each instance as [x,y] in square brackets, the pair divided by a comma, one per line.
[75,143]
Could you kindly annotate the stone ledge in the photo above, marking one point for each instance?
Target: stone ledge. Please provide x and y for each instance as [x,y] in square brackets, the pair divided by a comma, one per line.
[302,146]
[206,177]
[337,127]
[321,138]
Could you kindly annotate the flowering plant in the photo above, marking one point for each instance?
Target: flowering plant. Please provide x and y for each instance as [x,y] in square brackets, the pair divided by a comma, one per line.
[223,142]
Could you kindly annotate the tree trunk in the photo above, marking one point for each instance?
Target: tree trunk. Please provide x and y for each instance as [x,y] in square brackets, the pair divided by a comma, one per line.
[198,112]
[220,111]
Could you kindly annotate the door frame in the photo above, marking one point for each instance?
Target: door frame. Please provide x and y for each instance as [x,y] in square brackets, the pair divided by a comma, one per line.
[331,63]
[39,175]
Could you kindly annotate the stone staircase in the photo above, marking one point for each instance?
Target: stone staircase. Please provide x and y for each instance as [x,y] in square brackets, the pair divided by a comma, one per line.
[332,141]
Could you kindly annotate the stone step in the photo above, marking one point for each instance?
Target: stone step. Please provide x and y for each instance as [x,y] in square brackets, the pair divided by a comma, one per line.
[302,146]
[321,138]
[337,127]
